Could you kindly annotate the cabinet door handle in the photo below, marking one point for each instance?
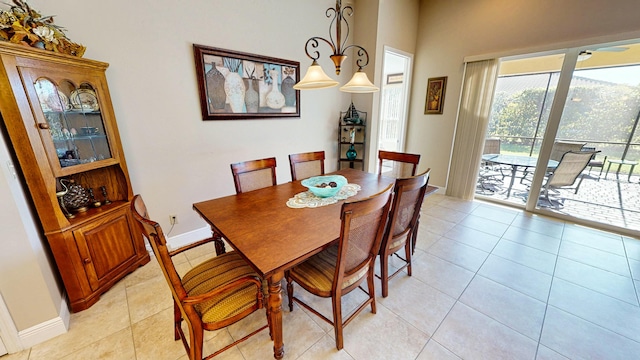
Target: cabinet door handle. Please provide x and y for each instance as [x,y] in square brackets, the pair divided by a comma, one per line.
[43,125]
[86,261]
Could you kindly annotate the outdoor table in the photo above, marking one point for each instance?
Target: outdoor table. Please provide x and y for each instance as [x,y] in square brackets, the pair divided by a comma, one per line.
[620,163]
[516,161]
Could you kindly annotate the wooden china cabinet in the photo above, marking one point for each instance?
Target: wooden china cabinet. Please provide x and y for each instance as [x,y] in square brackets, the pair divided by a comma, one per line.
[58,115]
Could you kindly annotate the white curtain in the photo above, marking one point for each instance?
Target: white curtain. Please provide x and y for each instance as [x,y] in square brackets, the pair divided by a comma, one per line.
[473,117]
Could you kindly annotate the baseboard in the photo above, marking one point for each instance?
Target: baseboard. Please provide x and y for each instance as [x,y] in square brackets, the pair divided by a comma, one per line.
[46,330]
[189,237]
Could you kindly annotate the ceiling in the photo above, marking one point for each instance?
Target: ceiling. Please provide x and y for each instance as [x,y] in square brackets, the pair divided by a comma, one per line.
[599,58]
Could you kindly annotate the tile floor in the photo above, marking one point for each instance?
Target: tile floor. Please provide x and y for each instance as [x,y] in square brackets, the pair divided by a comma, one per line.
[488,283]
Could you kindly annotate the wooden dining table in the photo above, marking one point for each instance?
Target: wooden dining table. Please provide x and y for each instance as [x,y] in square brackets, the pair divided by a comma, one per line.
[273,237]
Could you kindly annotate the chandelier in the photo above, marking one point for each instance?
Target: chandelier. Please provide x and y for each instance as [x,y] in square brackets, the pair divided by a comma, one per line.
[316,78]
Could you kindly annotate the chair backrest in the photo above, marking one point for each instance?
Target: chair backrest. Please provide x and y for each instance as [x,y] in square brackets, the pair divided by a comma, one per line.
[405,209]
[153,232]
[569,168]
[363,225]
[305,165]
[397,164]
[561,147]
[254,174]
[491,146]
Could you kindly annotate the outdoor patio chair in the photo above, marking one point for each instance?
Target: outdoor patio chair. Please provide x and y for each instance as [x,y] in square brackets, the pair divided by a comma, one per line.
[570,167]
[595,163]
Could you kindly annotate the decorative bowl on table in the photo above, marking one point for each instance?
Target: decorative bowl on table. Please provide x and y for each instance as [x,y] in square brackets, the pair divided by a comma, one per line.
[325,186]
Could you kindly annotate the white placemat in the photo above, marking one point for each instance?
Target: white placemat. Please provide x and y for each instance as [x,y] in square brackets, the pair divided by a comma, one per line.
[308,199]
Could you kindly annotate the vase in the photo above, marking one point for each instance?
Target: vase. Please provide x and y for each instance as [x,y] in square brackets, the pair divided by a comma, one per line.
[235,90]
[251,97]
[351,152]
[288,91]
[275,99]
[215,89]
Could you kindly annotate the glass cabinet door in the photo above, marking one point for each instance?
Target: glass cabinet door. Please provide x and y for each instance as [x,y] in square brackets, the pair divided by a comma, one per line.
[73,116]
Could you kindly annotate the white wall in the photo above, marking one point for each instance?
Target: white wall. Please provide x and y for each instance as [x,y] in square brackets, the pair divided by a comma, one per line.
[450,30]
[22,257]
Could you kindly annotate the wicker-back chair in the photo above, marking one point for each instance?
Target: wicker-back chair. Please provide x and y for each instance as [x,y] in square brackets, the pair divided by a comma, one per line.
[254,174]
[305,165]
[397,164]
[402,226]
[342,267]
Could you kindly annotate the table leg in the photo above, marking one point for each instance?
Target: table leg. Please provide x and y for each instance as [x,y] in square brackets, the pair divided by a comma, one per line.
[631,172]
[513,177]
[608,168]
[275,313]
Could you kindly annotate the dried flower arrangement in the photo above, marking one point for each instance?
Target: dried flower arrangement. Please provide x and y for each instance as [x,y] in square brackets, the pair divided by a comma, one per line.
[21,24]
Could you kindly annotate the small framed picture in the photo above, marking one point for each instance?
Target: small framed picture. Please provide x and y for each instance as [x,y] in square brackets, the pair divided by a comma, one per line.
[435,95]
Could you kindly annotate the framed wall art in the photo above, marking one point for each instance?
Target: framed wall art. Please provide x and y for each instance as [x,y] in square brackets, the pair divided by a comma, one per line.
[236,85]
[435,95]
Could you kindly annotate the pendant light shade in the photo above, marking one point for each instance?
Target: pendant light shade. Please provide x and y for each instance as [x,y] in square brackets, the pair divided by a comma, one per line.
[359,83]
[315,78]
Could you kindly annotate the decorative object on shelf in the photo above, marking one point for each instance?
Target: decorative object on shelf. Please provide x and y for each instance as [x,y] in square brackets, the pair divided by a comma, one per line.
[351,116]
[351,152]
[316,78]
[104,194]
[259,73]
[60,194]
[352,139]
[435,95]
[76,199]
[85,99]
[21,24]
[92,199]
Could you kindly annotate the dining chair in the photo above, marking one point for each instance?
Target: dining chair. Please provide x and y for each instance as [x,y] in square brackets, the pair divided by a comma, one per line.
[342,267]
[397,164]
[212,295]
[401,229]
[254,174]
[305,165]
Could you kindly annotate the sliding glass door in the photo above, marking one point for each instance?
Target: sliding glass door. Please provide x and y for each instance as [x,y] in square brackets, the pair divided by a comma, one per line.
[589,106]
